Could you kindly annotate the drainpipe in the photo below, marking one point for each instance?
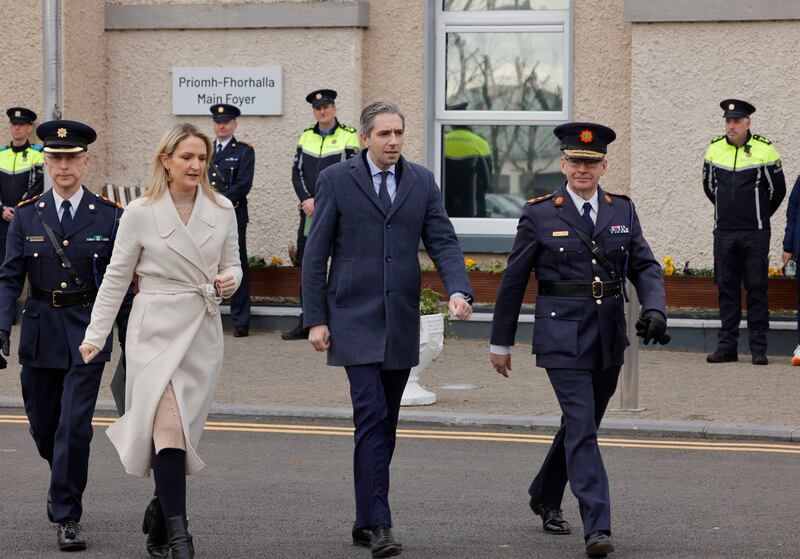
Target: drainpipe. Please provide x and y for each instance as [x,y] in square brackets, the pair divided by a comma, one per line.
[51,67]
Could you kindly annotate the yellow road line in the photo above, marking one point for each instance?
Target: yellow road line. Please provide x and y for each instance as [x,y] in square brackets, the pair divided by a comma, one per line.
[454,435]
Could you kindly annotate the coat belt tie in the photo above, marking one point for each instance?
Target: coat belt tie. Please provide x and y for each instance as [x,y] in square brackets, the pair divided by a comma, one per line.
[161,286]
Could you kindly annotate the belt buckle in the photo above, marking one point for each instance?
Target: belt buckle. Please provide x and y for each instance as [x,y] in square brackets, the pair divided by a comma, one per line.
[53,299]
[597,289]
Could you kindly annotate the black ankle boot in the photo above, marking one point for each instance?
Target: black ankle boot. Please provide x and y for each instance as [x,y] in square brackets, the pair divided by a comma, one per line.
[180,540]
[155,527]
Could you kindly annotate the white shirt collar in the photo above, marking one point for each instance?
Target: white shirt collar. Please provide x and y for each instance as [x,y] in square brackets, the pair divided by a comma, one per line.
[74,201]
[224,143]
[374,169]
[579,202]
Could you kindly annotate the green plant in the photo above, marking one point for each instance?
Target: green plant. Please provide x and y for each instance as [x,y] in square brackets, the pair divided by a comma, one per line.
[496,267]
[256,262]
[430,302]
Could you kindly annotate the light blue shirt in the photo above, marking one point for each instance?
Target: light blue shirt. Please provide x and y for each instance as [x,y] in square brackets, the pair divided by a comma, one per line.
[375,171]
[579,202]
[75,201]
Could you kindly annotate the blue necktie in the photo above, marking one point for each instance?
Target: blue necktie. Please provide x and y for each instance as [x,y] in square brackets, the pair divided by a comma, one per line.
[587,217]
[383,192]
[66,217]
[219,148]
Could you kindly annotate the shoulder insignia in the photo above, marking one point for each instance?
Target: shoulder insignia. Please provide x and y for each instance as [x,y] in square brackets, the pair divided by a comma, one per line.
[761,139]
[348,128]
[28,201]
[623,196]
[37,147]
[248,144]
[717,139]
[607,198]
[109,202]
[540,198]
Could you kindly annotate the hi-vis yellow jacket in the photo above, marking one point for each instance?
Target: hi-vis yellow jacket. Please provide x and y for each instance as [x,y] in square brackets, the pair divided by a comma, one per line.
[21,173]
[745,183]
[315,152]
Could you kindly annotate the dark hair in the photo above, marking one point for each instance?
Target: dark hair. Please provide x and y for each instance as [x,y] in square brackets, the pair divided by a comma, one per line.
[373,109]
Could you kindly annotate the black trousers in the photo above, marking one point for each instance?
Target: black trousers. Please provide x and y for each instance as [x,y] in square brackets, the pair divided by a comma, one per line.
[574,456]
[301,250]
[742,256]
[59,404]
[240,301]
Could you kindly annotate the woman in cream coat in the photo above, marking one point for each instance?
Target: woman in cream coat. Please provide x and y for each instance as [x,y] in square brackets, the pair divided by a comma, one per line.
[180,238]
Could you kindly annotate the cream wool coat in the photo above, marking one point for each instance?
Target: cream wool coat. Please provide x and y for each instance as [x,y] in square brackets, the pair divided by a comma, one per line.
[174,330]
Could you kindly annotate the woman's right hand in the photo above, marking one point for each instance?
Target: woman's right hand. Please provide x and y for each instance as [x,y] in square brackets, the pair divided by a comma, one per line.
[88,352]
[786,257]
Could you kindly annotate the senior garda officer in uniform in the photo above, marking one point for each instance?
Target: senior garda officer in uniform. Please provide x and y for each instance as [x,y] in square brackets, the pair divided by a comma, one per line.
[583,242]
[321,145]
[21,169]
[61,242]
[743,178]
[231,174]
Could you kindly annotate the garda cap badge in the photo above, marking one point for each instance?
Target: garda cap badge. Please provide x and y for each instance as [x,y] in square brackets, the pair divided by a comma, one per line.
[61,132]
[731,106]
[17,113]
[220,109]
[319,96]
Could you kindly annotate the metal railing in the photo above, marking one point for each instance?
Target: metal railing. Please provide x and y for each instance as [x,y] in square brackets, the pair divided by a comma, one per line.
[122,194]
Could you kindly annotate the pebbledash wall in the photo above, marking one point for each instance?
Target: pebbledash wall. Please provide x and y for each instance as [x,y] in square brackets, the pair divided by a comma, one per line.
[654,71]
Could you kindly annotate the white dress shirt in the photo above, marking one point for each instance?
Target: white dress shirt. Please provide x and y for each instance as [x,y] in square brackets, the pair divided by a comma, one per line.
[74,200]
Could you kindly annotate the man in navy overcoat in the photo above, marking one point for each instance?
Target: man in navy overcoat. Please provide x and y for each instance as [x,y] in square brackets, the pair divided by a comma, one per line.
[370,214]
[583,243]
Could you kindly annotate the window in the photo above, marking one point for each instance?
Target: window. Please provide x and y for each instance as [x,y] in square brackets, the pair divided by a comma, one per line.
[502,84]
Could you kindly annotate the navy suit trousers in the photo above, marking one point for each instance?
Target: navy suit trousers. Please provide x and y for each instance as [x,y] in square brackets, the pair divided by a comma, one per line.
[376,395]
[60,404]
[240,301]
[574,456]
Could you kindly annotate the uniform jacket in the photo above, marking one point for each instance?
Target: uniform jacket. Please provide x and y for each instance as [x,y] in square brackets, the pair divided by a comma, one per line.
[49,337]
[567,330]
[231,174]
[176,331]
[746,184]
[315,153]
[370,297]
[791,237]
[21,174]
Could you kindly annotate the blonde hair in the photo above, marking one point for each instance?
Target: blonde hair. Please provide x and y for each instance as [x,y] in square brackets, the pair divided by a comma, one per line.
[159,183]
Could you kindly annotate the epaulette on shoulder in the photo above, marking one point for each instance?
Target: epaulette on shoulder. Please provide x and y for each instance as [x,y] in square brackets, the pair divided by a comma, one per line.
[761,139]
[347,128]
[108,202]
[540,199]
[248,144]
[28,201]
[717,139]
[623,196]
[37,147]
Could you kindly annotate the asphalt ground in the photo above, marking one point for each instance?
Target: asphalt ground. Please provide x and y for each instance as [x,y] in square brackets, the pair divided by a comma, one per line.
[282,488]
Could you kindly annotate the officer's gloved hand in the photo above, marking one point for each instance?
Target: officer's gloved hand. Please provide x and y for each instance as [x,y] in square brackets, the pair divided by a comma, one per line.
[5,346]
[652,326]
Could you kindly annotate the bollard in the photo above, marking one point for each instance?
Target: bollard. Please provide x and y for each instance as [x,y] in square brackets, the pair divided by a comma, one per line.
[629,383]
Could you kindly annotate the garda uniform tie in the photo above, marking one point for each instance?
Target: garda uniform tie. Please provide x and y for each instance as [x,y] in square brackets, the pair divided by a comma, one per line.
[66,217]
[383,192]
[587,217]
[219,148]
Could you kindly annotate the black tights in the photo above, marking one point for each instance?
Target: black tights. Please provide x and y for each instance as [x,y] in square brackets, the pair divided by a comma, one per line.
[169,472]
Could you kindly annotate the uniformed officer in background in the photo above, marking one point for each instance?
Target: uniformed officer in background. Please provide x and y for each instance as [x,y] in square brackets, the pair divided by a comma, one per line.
[322,144]
[231,173]
[61,242]
[583,243]
[21,169]
[467,170]
[743,178]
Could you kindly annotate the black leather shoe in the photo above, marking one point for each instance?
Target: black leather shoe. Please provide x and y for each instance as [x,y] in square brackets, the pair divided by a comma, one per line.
[723,356]
[598,544]
[383,543]
[70,537]
[361,536]
[552,521]
[180,540]
[241,332]
[299,333]
[50,508]
[155,527]
[760,358]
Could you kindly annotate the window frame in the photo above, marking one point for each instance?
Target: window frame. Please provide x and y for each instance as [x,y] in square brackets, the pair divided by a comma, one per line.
[498,21]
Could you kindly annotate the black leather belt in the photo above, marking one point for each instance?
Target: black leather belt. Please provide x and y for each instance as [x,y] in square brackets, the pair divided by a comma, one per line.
[58,299]
[596,290]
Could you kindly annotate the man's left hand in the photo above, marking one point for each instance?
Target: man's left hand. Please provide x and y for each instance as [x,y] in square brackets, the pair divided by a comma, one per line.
[459,308]
[652,326]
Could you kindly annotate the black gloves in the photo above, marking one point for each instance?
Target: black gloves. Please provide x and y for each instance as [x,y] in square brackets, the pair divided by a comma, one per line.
[652,326]
[5,346]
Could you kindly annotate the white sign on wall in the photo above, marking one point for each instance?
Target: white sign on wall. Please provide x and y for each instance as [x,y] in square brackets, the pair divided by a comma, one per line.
[256,90]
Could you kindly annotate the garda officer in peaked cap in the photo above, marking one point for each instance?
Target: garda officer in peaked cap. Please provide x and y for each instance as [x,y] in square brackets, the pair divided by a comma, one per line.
[21,168]
[743,178]
[61,243]
[584,243]
[231,174]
